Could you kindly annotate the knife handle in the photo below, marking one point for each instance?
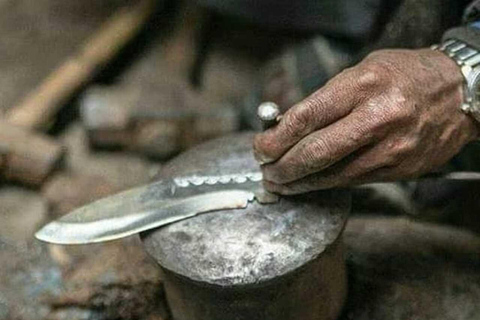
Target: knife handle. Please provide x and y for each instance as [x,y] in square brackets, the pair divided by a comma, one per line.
[269,114]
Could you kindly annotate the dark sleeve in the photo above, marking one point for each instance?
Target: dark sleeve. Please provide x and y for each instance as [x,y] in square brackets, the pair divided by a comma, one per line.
[472,13]
[470,31]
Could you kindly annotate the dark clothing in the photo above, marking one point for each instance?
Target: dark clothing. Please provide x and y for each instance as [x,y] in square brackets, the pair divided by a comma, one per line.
[357,20]
[470,32]
[472,13]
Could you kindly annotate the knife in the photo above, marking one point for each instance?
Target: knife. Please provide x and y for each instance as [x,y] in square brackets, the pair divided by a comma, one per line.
[158,204]
[155,205]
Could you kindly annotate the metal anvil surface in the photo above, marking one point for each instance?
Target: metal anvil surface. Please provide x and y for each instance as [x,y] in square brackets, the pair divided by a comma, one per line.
[277,261]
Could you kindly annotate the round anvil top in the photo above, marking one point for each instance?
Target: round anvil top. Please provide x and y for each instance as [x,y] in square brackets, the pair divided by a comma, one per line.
[245,246]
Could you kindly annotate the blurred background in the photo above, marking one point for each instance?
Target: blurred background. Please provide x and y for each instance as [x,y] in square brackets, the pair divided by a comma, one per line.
[96,95]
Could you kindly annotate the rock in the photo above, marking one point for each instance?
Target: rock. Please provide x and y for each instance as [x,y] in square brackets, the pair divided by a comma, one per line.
[69,190]
[121,169]
[401,269]
[101,282]
[156,119]
[116,278]
[26,274]
[453,202]
[93,175]
[22,212]
[112,281]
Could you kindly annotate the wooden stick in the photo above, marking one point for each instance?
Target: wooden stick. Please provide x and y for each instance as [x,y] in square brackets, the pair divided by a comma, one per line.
[37,110]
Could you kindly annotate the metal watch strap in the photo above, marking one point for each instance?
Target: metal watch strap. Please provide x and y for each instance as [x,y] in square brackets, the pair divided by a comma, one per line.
[468,59]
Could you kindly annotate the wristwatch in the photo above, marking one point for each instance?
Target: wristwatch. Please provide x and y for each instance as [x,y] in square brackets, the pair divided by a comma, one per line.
[468,59]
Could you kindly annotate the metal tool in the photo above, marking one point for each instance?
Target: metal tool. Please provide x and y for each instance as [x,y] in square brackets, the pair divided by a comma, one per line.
[269,114]
[154,205]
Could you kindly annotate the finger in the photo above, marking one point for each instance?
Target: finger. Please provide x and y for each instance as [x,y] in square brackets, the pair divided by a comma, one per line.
[332,102]
[367,165]
[321,149]
[318,182]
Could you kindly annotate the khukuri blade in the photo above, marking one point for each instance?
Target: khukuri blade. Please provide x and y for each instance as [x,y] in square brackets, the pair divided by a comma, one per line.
[152,206]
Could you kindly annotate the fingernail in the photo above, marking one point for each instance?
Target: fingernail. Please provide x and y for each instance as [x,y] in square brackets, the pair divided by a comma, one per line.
[261,158]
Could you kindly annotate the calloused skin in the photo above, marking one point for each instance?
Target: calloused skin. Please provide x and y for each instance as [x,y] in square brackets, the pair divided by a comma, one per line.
[396,115]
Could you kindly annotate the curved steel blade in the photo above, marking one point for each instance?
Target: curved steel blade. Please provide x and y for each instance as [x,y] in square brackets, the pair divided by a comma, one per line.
[145,208]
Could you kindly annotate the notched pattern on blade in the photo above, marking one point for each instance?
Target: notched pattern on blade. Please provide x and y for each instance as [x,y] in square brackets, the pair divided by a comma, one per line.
[196,180]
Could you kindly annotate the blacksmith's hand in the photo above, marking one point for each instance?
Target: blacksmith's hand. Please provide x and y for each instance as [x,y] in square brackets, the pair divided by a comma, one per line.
[396,115]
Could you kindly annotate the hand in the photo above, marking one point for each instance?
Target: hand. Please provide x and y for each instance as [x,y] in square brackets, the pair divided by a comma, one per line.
[396,115]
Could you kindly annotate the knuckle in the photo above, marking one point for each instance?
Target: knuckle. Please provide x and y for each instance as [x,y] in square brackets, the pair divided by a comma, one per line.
[361,133]
[309,113]
[315,154]
[316,107]
[370,77]
[398,103]
[374,74]
[295,124]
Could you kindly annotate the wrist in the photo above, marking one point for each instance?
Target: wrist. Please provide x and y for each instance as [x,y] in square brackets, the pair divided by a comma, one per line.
[460,67]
